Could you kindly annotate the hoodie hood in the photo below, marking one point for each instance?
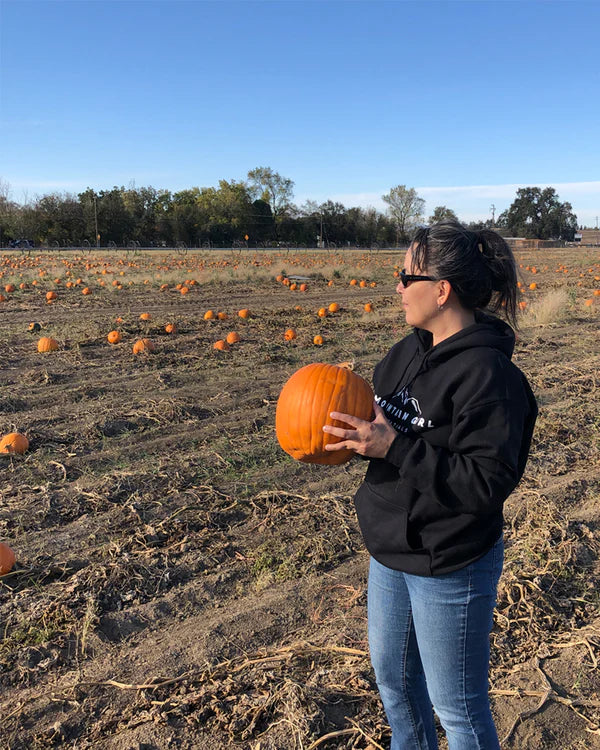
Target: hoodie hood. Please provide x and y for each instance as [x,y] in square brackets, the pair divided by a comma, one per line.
[487,331]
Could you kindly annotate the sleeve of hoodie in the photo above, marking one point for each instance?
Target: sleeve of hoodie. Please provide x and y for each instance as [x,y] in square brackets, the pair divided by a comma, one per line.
[486,453]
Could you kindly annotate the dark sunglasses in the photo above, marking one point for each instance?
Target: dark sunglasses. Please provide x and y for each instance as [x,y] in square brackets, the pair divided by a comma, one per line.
[408,278]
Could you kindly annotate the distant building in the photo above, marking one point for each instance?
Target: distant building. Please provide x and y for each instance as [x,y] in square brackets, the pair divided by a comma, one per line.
[522,243]
[588,237]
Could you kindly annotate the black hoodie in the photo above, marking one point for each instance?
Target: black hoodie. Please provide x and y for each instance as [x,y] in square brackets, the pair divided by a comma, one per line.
[464,414]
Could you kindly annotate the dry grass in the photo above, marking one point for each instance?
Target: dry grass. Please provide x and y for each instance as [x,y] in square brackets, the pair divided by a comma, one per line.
[551,308]
[178,576]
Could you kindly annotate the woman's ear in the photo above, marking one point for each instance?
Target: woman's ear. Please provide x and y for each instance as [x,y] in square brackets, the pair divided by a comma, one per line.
[444,291]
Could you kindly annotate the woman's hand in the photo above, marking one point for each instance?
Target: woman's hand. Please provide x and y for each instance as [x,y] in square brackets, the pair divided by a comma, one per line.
[372,439]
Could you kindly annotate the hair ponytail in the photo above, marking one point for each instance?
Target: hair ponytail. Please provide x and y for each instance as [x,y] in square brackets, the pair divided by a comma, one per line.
[480,266]
[503,269]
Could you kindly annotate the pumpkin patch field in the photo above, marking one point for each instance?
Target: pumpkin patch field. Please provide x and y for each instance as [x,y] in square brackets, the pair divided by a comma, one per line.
[171,578]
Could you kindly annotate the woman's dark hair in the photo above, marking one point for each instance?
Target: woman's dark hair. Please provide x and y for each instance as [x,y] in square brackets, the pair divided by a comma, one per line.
[479,265]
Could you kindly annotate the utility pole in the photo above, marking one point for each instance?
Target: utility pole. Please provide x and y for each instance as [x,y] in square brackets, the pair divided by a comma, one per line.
[96,223]
[493,210]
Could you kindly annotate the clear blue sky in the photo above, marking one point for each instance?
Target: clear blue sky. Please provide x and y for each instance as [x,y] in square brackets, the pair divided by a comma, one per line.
[465,101]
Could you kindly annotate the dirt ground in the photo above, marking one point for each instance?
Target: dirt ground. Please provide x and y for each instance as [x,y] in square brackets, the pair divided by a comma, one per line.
[181,582]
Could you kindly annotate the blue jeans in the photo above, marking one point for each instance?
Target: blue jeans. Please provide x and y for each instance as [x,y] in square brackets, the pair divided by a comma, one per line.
[430,645]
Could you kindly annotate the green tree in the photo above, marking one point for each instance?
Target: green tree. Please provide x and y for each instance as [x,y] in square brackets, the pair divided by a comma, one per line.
[442,213]
[539,214]
[406,209]
[61,217]
[146,207]
[271,187]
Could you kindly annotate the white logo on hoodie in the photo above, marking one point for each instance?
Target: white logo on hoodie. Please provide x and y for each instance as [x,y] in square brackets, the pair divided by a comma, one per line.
[402,410]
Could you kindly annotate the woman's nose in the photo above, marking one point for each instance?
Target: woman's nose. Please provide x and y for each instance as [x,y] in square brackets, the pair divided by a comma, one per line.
[399,288]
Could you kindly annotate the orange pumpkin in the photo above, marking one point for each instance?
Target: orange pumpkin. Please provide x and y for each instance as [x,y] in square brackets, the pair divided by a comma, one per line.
[7,559]
[47,344]
[114,337]
[305,403]
[222,315]
[244,313]
[322,312]
[290,334]
[233,337]
[221,345]
[145,316]
[9,288]
[209,315]
[143,346]
[86,290]
[533,286]
[334,307]
[318,340]
[368,307]
[51,296]
[14,442]
[171,328]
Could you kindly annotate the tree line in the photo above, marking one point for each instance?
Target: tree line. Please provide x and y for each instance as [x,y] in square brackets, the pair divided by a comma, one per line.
[258,211]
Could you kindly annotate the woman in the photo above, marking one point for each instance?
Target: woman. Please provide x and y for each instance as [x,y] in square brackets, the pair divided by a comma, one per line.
[449,443]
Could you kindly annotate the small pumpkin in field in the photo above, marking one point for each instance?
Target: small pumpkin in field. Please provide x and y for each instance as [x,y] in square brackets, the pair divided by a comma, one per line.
[9,288]
[333,307]
[221,345]
[322,312]
[51,296]
[222,316]
[305,403]
[184,290]
[143,346]
[114,337]
[209,315]
[244,313]
[318,340]
[289,335]
[145,316]
[171,328]
[86,290]
[7,559]
[14,442]
[368,307]
[34,328]
[233,337]
[47,344]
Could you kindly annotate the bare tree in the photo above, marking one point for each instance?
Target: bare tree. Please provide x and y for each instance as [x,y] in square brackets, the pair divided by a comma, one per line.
[405,207]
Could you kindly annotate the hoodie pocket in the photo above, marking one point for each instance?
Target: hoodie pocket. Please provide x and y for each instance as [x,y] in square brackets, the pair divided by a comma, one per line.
[383,523]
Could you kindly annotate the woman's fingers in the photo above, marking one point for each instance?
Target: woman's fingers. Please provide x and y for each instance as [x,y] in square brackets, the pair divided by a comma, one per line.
[347,418]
